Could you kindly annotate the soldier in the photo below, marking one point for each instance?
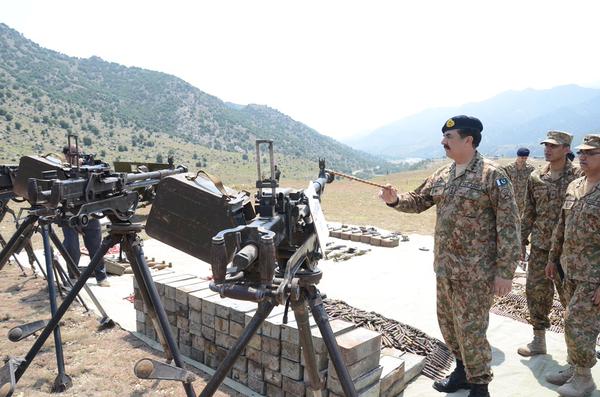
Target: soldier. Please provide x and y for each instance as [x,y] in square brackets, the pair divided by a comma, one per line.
[576,246]
[92,233]
[476,248]
[545,194]
[518,173]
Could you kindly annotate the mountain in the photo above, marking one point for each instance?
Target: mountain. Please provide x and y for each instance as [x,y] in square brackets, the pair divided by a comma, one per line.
[128,110]
[510,120]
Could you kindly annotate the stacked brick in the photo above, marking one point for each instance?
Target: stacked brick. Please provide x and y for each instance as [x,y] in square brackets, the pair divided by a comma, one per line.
[206,326]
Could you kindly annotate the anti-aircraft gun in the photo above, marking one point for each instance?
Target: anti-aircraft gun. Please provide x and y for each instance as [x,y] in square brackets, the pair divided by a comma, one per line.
[267,254]
[71,195]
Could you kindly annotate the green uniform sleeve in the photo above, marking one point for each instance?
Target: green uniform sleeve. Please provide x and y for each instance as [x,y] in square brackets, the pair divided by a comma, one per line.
[418,200]
[503,202]
[558,238]
[529,213]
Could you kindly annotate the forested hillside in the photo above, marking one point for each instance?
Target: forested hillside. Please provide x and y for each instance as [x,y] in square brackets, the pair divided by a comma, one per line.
[129,113]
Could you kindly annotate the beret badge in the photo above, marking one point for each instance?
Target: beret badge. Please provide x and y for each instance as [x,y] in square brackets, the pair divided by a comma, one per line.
[450,123]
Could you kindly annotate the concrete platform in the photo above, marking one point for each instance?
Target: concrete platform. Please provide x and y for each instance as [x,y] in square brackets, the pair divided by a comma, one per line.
[398,283]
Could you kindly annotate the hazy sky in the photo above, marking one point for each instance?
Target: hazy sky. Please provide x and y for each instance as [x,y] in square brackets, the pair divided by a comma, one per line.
[341,67]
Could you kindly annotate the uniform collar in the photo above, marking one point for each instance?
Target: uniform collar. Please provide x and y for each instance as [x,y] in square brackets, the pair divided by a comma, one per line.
[568,170]
[471,166]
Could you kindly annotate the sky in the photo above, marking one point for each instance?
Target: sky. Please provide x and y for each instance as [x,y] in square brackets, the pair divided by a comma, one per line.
[343,68]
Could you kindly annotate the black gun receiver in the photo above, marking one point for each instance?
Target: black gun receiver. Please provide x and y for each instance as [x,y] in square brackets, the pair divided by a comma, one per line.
[7,177]
[92,189]
[276,245]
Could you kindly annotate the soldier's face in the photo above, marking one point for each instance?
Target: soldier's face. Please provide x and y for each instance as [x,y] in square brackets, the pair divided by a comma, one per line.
[590,161]
[521,160]
[554,152]
[456,146]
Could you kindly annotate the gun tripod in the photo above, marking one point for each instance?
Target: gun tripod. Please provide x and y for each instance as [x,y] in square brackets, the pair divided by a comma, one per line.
[54,273]
[126,234]
[4,209]
[302,293]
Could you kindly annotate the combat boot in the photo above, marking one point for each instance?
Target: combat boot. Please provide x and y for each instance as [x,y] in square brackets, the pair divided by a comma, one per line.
[581,384]
[561,377]
[455,381]
[537,346]
[479,390]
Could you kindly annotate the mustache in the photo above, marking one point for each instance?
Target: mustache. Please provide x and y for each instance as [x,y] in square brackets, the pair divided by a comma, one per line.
[446,147]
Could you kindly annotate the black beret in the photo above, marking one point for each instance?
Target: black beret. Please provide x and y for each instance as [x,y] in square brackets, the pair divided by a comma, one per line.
[462,122]
[523,152]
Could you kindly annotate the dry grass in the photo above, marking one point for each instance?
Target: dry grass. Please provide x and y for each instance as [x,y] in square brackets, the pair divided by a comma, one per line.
[100,363]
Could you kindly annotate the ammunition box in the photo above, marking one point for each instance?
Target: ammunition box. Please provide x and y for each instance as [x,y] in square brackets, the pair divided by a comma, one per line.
[189,211]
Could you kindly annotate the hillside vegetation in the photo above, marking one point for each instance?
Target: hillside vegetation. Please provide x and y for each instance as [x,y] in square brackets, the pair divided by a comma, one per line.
[128,113]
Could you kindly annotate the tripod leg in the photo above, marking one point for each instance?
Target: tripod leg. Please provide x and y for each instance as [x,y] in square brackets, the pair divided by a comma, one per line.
[66,282]
[57,276]
[3,244]
[62,309]
[156,310]
[263,311]
[24,230]
[33,258]
[105,321]
[62,381]
[308,350]
[320,315]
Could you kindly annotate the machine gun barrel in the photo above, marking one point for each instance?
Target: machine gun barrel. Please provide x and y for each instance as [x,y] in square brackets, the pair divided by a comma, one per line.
[154,175]
[325,176]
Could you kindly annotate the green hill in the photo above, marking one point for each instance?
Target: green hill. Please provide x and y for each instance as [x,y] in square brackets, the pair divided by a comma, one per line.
[129,113]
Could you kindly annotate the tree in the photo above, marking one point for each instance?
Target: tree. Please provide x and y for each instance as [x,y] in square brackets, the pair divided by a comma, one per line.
[17,125]
[159,158]
[87,141]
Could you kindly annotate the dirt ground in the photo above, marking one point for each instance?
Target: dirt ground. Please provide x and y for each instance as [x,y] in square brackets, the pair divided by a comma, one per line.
[100,363]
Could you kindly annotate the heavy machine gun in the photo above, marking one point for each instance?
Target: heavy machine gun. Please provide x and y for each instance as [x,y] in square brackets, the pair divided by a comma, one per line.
[268,255]
[93,189]
[70,196]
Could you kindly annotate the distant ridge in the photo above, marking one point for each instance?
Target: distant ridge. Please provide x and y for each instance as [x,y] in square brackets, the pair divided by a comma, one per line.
[511,119]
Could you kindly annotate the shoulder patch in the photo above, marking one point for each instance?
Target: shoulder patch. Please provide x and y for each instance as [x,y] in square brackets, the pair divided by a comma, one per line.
[501,182]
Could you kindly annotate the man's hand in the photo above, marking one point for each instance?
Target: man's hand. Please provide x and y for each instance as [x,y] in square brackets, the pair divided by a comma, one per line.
[389,194]
[551,271]
[596,297]
[502,286]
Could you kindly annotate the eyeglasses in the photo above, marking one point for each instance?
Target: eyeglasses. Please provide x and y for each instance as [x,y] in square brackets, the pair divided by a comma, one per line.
[587,153]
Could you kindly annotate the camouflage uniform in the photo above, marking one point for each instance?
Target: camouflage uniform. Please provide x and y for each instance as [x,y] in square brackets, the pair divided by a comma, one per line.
[543,201]
[518,177]
[576,243]
[476,238]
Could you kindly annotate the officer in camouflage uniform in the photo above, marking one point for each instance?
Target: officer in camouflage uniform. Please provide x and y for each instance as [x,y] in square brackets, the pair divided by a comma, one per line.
[545,194]
[518,173]
[576,246]
[476,248]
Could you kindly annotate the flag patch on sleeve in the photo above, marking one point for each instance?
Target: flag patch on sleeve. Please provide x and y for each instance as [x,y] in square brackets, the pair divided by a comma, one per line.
[501,182]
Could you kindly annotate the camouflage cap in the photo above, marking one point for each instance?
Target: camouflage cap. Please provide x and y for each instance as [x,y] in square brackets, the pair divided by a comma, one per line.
[558,138]
[590,141]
